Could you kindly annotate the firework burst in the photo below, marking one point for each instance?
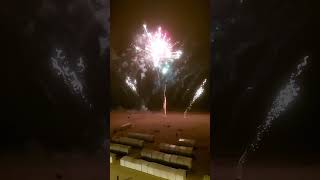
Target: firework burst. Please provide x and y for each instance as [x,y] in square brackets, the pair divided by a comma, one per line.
[156,50]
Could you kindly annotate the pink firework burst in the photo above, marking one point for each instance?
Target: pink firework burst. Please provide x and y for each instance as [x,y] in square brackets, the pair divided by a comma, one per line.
[155,48]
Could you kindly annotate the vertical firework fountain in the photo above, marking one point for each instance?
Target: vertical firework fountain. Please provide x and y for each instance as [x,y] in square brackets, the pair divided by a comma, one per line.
[155,51]
[286,96]
[165,101]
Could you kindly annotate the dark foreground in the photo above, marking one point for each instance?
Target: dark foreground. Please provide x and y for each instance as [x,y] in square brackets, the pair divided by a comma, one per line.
[224,169]
[53,166]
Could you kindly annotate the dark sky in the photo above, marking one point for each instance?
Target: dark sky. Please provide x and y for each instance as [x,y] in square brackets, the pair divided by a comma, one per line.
[36,103]
[258,45]
[185,20]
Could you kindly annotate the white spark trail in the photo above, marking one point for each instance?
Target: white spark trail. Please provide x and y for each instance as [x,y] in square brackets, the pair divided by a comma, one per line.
[198,93]
[285,97]
[70,76]
[132,84]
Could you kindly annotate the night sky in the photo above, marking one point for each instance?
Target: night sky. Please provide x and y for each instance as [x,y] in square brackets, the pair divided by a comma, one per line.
[187,22]
[255,47]
[37,104]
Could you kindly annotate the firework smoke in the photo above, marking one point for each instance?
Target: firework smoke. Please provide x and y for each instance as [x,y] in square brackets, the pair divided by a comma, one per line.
[286,96]
[198,93]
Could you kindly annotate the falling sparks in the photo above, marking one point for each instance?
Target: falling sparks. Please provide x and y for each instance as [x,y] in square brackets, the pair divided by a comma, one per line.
[70,77]
[285,97]
[198,93]
[156,50]
[81,65]
[132,84]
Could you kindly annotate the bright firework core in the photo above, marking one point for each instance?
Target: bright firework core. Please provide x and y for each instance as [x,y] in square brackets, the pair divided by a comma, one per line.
[132,84]
[155,48]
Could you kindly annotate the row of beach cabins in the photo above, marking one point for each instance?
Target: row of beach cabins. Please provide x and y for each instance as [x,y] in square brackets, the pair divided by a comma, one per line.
[171,162]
